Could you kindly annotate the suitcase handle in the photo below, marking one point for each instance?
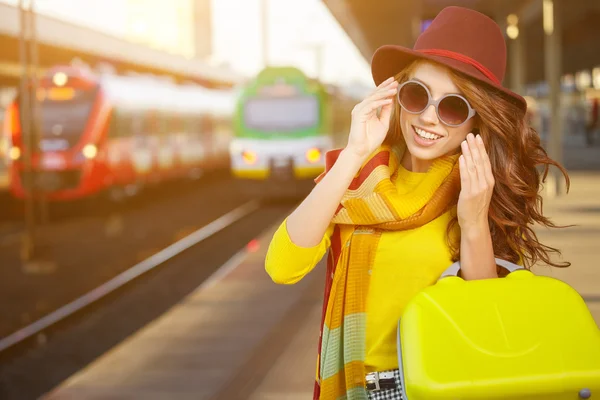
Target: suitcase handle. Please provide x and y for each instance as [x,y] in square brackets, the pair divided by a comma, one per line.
[454,268]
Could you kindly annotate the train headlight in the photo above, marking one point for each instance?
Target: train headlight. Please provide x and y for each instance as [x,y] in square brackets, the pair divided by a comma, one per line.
[89,151]
[249,157]
[14,153]
[313,155]
[60,79]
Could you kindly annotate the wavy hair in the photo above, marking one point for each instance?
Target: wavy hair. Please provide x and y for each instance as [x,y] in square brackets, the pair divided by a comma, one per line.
[519,163]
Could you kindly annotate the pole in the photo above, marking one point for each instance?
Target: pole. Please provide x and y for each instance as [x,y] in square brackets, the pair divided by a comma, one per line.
[264,5]
[517,61]
[35,111]
[28,243]
[320,56]
[552,61]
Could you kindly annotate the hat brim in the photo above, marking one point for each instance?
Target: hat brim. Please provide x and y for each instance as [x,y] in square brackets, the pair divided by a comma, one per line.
[388,60]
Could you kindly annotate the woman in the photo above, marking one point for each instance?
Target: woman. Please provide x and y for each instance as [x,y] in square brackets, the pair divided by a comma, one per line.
[440,166]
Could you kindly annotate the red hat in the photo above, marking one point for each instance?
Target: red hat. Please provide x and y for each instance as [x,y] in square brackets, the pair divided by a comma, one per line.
[462,39]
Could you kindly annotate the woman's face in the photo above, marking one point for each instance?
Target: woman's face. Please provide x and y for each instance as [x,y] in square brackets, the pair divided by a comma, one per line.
[448,141]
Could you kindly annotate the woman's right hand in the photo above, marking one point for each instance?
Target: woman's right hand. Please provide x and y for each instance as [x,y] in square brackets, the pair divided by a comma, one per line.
[368,130]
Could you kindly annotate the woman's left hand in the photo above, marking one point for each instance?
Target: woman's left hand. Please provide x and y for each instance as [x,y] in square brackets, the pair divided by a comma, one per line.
[477,185]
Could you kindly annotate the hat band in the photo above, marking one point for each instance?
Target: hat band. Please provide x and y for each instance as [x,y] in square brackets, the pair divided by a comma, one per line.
[466,59]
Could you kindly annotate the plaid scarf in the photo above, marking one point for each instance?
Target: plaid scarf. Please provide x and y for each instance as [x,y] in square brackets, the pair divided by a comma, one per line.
[370,205]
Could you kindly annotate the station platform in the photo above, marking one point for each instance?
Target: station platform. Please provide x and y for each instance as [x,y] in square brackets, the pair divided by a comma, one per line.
[240,336]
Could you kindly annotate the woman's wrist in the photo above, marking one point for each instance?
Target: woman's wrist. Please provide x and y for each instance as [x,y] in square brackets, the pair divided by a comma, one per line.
[351,160]
[475,230]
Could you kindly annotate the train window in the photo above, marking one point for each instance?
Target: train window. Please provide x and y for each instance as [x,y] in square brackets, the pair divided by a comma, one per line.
[190,125]
[119,124]
[164,123]
[176,124]
[157,123]
[125,124]
[137,125]
[281,113]
[197,126]
[206,124]
[171,124]
[147,124]
[113,125]
[65,114]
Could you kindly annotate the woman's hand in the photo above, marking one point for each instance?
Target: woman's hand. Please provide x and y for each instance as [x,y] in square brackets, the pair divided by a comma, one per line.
[477,186]
[368,130]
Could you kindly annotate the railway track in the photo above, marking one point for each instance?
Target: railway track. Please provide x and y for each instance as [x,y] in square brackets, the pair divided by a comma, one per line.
[76,255]
[51,349]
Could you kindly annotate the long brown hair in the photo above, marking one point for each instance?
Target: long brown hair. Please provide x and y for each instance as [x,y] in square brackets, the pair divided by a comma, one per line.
[516,155]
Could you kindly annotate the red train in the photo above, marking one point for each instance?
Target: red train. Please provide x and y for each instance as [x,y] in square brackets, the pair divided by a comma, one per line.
[118,133]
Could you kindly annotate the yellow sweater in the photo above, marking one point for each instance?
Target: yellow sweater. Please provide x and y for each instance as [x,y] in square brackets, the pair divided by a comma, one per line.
[405,263]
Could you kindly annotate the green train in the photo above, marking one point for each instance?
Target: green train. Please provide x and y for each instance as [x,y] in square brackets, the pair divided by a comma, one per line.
[284,123]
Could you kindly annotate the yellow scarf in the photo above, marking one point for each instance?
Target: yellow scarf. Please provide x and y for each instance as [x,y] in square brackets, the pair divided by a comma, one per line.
[370,205]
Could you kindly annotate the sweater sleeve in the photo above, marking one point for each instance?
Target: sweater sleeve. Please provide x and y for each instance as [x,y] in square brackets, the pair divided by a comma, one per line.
[287,263]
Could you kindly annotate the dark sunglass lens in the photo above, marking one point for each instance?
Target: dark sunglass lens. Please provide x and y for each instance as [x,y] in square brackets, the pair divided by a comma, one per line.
[413,97]
[453,110]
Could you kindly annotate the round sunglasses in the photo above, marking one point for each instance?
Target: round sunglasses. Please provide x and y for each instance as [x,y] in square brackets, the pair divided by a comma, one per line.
[452,109]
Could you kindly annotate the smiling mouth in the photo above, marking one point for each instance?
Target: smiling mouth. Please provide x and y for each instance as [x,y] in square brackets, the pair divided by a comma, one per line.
[426,134]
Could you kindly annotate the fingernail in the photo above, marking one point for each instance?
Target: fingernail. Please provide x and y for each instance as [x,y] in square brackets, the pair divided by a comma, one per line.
[479,138]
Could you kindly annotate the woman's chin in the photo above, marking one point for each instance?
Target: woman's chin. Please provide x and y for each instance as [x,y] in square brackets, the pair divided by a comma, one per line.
[423,153]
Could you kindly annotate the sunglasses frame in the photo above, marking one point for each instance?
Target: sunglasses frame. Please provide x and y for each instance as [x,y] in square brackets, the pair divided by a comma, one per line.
[436,103]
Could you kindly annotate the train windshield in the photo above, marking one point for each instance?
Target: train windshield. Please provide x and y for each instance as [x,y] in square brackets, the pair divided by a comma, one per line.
[281,113]
[64,111]
[63,114]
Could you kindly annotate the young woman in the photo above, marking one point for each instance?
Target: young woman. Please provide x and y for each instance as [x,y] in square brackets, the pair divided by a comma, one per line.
[440,166]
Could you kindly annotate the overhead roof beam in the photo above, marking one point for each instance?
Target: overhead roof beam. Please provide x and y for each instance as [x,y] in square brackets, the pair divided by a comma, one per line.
[78,39]
[342,12]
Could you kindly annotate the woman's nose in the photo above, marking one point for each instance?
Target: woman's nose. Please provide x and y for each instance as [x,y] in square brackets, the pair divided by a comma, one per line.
[429,115]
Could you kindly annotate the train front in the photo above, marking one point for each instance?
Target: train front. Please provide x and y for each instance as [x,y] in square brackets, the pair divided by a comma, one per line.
[282,135]
[64,160]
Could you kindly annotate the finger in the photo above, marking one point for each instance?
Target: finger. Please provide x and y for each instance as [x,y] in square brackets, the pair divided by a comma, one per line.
[383,94]
[380,93]
[465,181]
[374,105]
[477,160]
[470,165]
[391,84]
[487,165]
[364,107]
[386,82]
[381,86]
[386,112]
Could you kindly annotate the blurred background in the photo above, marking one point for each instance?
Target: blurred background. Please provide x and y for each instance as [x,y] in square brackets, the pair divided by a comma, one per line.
[148,150]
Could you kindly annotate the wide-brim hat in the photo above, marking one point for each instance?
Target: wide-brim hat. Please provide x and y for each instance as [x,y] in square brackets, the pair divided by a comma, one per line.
[459,38]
